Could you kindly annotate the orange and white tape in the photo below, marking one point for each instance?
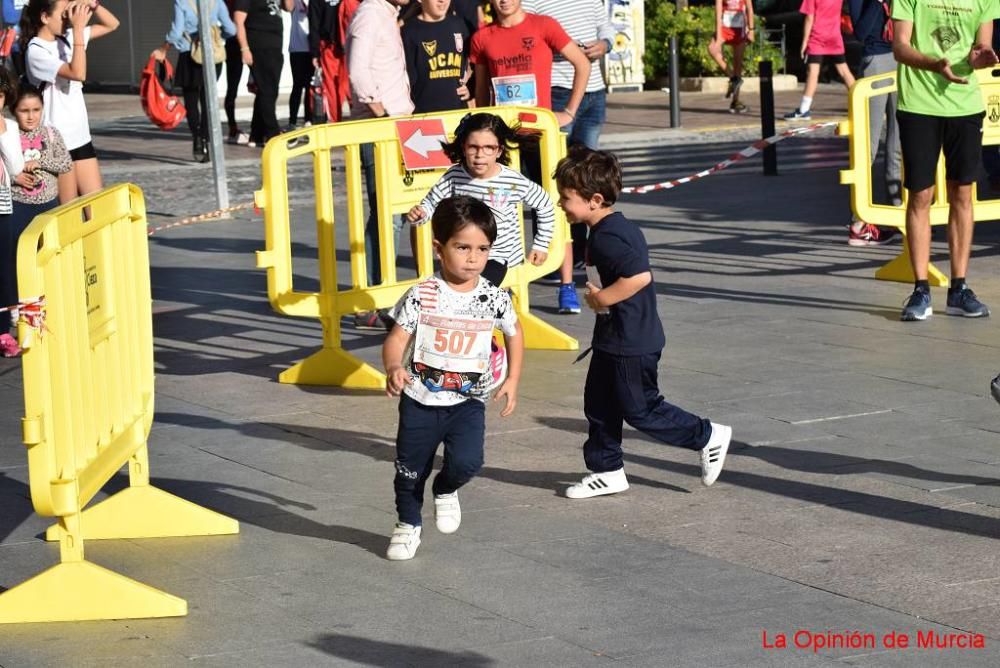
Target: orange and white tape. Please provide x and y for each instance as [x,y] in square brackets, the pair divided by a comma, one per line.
[748,152]
[31,312]
[218,213]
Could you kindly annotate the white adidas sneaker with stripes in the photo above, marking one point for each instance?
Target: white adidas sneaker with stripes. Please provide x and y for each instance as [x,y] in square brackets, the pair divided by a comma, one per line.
[598,484]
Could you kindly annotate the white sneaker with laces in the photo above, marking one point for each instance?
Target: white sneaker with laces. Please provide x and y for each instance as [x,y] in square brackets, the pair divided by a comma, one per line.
[447,512]
[404,542]
[598,484]
[713,455]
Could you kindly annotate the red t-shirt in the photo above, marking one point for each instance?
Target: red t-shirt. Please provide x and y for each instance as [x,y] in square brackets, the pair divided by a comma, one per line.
[523,49]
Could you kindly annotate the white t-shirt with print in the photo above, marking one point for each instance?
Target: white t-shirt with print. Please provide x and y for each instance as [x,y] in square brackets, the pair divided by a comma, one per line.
[65,109]
[432,302]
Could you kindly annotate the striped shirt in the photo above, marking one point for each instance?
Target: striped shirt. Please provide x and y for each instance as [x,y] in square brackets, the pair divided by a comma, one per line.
[502,194]
[584,21]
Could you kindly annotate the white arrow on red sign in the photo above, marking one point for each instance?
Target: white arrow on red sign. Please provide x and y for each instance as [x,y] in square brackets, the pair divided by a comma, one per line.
[420,142]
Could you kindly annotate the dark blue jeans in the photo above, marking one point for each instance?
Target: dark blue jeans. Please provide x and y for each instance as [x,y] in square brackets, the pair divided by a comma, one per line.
[8,270]
[625,389]
[991,161]
[461,428]
[373,253]
[586,127]
[11,228]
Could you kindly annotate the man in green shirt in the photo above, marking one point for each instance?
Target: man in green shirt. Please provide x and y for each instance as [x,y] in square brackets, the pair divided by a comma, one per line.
[938,45]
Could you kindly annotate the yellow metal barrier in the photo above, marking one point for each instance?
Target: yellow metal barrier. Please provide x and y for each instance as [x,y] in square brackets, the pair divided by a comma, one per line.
[88,401]
[859,175]
[398,190]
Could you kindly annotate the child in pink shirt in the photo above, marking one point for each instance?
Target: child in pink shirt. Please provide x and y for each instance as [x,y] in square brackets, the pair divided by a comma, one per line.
[821,40]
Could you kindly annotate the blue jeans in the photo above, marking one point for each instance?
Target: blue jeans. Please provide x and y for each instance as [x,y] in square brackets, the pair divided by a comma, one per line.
[373,254]
[624,389]
[460,427]
[586,127]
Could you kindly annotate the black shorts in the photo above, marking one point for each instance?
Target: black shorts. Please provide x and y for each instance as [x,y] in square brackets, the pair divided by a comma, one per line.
[922,139]
[836,59]
[84,152]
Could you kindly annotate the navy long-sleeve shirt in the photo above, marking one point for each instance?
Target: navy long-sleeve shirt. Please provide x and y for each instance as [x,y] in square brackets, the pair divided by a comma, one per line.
[869,18]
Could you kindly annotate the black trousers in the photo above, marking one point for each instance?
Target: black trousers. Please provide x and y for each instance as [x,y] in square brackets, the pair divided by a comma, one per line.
[302,71]
[234,72]
[624,389]
[266,70]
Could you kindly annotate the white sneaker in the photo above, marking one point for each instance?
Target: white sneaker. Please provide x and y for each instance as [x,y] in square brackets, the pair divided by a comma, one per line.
[597,484]
[713,455]
[447,512]
[404,542]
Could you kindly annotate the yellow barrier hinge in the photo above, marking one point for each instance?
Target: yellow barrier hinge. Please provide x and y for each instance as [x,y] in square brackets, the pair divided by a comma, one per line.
[260,199]
[265,259]
[31,430]
[844,129]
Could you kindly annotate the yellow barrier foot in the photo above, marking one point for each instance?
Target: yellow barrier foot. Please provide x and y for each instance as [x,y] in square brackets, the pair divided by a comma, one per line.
[332,366]
[148,512]
[540,335]
[79,591]
[900,269]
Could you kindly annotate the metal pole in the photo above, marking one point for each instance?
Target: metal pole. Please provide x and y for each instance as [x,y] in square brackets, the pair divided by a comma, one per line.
[767,117]
[211,112]
[675,84]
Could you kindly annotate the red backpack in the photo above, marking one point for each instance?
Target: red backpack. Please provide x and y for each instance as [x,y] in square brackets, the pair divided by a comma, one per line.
[887,31]
[166,111]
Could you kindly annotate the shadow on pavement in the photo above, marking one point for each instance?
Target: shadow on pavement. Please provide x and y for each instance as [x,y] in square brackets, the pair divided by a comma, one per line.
[861,503]
[378,653]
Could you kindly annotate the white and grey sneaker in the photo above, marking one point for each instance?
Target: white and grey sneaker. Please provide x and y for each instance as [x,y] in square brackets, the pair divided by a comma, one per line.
[404,542]
[598,484]
[447,512]
[713,455]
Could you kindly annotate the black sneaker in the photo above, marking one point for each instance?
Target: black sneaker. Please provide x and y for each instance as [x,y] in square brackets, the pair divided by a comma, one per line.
[917,307]
[964,303]
[734,86]
[995,389]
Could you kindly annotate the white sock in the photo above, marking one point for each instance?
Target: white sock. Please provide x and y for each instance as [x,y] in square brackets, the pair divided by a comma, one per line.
[806,104]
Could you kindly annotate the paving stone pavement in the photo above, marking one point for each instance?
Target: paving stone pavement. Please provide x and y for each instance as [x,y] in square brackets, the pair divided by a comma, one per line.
[861,493]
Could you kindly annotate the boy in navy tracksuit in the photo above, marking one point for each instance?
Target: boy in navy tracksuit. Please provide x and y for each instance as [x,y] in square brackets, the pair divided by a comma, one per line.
[628,337]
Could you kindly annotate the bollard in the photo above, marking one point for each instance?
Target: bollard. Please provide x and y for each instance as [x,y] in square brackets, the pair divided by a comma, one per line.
[675,84]
[767,117]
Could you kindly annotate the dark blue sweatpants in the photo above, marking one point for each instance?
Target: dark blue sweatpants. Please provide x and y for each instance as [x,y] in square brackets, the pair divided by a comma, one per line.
[625,389]
[461,428]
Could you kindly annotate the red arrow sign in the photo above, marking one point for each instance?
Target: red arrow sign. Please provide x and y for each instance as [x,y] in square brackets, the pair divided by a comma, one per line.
[420,141]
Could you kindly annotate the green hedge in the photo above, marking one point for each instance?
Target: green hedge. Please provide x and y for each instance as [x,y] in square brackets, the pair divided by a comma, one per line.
[695,28]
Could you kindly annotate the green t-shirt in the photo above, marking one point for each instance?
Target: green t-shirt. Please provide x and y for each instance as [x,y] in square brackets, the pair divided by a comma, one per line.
[942,29]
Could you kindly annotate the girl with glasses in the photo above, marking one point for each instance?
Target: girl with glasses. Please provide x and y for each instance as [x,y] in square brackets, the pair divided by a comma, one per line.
[481,151]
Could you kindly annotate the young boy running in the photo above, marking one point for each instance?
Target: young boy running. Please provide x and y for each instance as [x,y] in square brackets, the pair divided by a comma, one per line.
[628,337]
[733,26]
[439,360]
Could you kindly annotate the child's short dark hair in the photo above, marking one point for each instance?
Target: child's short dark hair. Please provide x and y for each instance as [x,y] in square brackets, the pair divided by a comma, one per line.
[590,172]
[24,90]
[506,135]
[454,213]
